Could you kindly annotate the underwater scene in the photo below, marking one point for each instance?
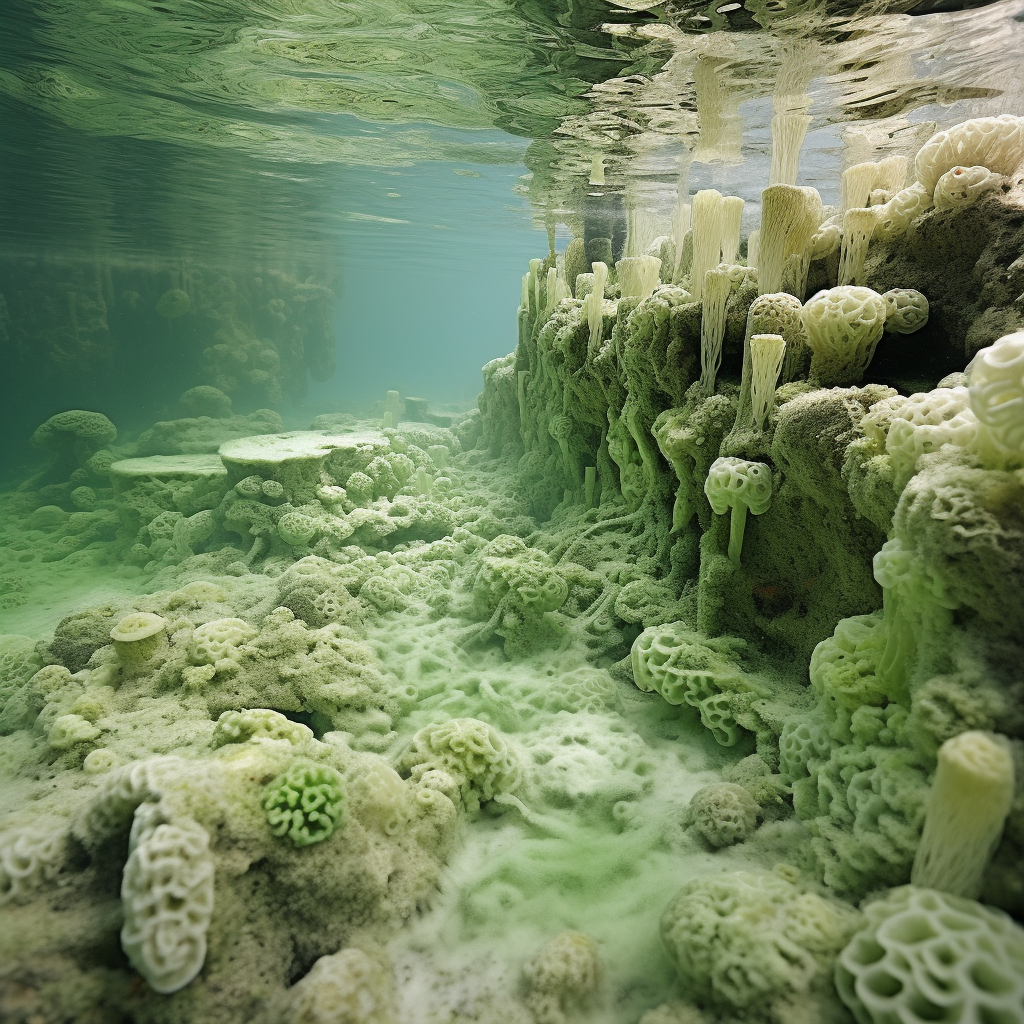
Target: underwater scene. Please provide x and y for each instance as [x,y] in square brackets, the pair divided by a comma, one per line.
[512,512]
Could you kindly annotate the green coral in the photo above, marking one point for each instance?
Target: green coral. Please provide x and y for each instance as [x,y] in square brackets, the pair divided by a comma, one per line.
[306,803]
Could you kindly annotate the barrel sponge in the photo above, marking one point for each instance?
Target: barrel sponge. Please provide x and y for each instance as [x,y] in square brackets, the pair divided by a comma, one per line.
[561,977]
[80,429]
[296,528]
[803,744]
[723,813]
[69,730]
[966,810]
[473,752]
[305,803]
[843,327]
[349,987]
[993,142]
[258,724]
[924,955]
[741,938]
[688,668]
[167,895]
[924,423]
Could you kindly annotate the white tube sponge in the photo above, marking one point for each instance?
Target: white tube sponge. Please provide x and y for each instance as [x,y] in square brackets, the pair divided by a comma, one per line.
[732,214]
[595,304]
[788,132]
[966,810]
[638,275]
[707,237]
[996,386]
[739,485]
[167,892]
[856,184]
[717,285]
[766,352]
[858,227]
[843,327]
[993,142]
[789,219]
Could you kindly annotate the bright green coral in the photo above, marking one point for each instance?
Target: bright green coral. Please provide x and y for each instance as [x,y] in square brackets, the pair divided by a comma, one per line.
[306,803]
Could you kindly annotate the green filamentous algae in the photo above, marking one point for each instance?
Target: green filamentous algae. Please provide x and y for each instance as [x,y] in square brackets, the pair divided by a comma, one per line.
[669,673]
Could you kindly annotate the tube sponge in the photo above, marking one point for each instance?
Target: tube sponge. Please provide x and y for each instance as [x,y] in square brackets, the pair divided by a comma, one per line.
[789,219]
[594,304]
[717,286]
[967,806]
[858,227]
[638,275]
[707,237]
[766,352]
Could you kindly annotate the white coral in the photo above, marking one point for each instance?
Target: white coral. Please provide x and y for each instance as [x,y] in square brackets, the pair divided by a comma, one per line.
[924,423]
[962,185]
[843,327]
[996,388]
[167,893]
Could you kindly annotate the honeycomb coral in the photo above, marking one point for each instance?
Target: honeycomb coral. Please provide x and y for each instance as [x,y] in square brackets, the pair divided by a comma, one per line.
[923,956]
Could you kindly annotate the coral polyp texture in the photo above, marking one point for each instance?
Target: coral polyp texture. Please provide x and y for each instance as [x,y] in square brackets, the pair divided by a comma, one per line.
[679,681]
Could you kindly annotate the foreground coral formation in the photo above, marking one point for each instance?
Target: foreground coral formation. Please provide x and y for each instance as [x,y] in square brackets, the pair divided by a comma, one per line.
[425,723]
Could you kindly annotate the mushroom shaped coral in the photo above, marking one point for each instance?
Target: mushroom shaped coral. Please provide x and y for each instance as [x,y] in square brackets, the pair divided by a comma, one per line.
[996,389]
[740,485]
[843,327]
[72,437]
[205,400]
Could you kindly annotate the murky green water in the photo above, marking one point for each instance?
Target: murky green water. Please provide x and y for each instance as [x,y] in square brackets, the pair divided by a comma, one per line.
[344,683]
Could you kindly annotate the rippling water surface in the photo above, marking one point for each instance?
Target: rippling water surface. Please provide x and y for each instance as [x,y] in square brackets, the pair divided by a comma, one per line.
[411,156]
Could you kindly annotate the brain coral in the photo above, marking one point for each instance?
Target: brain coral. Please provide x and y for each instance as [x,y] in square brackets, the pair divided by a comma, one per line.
[306,803]
[744,937]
